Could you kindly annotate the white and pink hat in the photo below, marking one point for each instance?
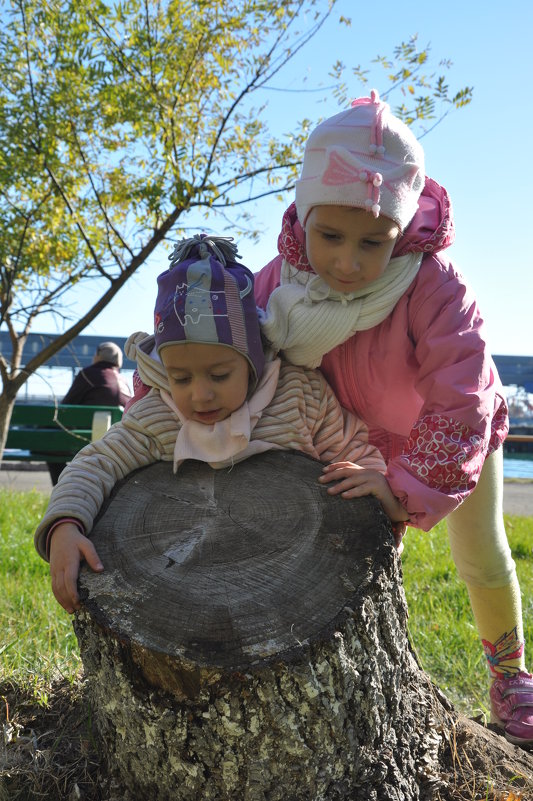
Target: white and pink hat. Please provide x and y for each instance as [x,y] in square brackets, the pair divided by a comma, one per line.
[364,157]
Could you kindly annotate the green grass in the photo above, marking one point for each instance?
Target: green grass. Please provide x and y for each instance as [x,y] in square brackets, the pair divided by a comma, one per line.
[38,643]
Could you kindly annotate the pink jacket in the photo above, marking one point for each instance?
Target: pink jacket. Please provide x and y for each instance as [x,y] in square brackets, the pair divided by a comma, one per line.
[423,379]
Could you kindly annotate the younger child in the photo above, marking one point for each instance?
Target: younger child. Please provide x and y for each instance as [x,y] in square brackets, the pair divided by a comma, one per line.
[214,398]
[362,288]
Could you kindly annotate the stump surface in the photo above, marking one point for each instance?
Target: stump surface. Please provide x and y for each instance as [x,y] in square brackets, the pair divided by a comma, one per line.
[224,568]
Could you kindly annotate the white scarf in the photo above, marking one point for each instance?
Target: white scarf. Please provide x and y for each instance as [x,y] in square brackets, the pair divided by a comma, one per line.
[306,319]
[222,444]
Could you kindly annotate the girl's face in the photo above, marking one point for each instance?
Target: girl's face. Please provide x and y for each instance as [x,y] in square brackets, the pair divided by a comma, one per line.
[207,382]
[348,247]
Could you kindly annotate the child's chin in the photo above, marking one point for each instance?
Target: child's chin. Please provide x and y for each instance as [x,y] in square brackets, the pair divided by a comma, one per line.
[208,418]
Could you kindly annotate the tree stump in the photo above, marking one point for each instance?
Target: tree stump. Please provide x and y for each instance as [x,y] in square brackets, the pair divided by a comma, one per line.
[247,641]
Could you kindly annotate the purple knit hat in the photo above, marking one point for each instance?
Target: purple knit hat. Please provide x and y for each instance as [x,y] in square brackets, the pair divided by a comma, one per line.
[207,297]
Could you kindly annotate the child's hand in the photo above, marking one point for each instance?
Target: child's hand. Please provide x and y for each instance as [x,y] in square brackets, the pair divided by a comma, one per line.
[68,547]
[354,482]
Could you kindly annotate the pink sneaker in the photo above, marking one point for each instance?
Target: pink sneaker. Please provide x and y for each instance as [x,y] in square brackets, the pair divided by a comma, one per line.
[512,707]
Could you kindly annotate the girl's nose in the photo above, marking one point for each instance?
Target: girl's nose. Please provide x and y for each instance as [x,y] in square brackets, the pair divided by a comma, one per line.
[348,263]
[202,391]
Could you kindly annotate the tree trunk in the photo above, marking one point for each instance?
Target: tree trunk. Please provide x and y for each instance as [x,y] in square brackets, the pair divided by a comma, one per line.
[248,641]
[7,402]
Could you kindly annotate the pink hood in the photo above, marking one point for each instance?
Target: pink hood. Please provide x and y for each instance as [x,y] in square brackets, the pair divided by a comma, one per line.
[431,229]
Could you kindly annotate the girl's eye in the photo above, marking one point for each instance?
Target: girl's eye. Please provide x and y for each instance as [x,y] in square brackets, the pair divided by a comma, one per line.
[221,377]
[371,243]
[331,237]
[179,381]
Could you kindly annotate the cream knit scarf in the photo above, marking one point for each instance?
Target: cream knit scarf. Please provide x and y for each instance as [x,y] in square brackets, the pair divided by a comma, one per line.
[305,318]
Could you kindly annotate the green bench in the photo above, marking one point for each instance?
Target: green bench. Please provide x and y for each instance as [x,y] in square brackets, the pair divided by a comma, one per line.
[41,432]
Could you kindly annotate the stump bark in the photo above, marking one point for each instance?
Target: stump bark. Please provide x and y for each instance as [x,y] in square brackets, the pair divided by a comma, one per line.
[247,640]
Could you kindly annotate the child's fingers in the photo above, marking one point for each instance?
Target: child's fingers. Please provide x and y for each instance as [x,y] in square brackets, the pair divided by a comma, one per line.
[336,473]
[71,586]
[65,573]
[345,479]
[71,573]
[352,492]
[65,594]
[328,468]
[351,488]
[327,479]
[91,557]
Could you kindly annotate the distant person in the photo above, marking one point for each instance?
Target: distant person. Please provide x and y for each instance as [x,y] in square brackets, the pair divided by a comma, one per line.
[100,384]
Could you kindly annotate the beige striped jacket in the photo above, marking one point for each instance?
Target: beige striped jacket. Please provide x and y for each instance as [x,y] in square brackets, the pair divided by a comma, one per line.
[304,415]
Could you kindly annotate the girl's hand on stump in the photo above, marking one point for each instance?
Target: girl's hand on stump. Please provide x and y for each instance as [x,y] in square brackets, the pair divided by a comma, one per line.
[354,482]
[68,546]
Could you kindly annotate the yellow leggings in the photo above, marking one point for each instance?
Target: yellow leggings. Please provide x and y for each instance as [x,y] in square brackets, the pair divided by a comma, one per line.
[483,559]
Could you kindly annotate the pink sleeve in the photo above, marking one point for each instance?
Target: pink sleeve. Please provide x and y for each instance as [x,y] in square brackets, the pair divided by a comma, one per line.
[464,414]
[266,281]
[425,505]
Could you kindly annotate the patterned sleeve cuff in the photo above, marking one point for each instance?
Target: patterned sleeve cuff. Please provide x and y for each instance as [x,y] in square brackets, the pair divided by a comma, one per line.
[444,454]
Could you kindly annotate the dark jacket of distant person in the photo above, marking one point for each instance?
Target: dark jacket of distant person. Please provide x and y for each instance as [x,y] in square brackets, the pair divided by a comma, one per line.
[100,384]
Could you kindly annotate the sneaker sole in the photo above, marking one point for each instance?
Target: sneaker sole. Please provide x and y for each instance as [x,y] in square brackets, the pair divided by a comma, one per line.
[528,742]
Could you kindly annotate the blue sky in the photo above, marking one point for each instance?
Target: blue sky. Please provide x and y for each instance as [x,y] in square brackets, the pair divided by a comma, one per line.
[481,154]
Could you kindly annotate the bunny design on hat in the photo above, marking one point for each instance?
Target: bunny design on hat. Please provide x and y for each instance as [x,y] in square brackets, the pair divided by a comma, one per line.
[196,304]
